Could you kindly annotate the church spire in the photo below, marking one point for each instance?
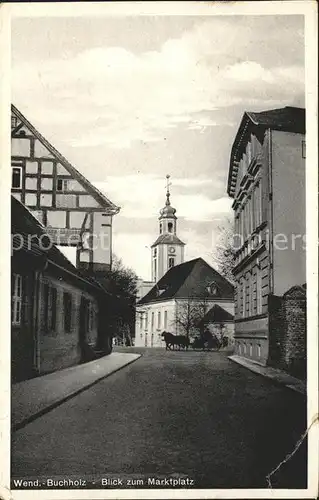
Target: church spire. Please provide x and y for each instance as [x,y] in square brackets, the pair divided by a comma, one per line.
[168,212]
[168,249]
[167,190]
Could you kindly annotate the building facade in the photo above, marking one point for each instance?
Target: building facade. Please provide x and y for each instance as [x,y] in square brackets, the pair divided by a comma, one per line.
[267,182]
[179,300]
[74,211]
[58,315]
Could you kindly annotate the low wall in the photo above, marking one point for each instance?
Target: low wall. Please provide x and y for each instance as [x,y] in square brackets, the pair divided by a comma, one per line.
[287,327]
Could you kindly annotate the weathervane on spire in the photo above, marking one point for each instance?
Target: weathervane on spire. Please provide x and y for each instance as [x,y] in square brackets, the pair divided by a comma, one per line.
[168,184]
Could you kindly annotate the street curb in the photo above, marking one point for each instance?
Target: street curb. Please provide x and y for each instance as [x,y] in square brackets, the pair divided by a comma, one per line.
[272,379]
[47,409]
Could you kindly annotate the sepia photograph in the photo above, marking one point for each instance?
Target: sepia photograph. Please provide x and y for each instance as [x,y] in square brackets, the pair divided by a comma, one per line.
[160,270]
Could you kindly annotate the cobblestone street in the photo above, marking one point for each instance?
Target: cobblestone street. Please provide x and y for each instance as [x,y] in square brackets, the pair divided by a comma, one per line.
[187,414]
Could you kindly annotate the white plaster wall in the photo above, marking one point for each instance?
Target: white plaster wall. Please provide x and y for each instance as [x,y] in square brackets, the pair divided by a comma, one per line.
[102,238]
[153,335]
[56,218]
[288,184]
[31,167]
[162,259]
[20,147]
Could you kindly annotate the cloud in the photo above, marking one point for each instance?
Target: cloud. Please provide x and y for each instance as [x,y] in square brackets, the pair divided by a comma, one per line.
[134,250]
[112,96]
[142,196]
[248,71]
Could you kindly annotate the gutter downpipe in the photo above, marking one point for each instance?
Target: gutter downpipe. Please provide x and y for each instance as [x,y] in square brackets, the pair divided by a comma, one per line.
[36,309]
[271,220]
[270,235]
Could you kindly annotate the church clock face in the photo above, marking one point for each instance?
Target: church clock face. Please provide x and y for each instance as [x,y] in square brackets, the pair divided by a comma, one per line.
[171,250]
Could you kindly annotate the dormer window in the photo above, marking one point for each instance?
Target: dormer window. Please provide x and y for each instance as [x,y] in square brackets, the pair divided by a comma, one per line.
[212,289]
[161,290]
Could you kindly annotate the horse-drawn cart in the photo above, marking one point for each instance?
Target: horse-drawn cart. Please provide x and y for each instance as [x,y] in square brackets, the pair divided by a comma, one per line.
[205,342]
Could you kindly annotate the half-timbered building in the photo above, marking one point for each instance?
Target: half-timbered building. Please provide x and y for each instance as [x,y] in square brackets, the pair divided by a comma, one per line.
[74,211]
[267,182]
[59,315]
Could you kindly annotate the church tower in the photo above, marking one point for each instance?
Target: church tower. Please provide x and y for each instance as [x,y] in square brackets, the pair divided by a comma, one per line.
[168,249]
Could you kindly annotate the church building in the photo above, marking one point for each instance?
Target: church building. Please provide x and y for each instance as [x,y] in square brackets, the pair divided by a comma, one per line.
[179,290]
[168,249]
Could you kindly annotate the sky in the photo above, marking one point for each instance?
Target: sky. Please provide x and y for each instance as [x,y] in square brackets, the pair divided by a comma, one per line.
[130,99]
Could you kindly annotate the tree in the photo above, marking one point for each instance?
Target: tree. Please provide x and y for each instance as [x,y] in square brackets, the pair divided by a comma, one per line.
[224,250]
[121,283]
[189,315]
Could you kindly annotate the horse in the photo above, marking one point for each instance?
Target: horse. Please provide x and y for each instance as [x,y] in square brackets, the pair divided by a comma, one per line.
[175,340]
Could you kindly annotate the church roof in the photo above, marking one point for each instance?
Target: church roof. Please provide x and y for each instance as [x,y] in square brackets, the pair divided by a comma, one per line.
[189,280]
[96,193]
[168,239]
[217,314]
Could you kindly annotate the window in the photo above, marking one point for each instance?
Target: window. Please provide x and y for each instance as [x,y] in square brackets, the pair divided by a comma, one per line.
[250,349]
[165,319]
[253,215]
[259,290]
[53,308]
[258,204]
[146,321]
[90,317]
[212,289]
[159,319]
[258,351]
[46,292]
[250,294]
[161,228]
[243,297]
[67,310]
[16,299]
[62,185]
[170,227]
[16,182]
[152,324]
[171,262]
[49,307]
[154,269]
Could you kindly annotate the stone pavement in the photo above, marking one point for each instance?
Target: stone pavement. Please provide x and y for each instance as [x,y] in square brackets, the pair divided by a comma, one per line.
[32,398]
[177,414]
[277,376]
